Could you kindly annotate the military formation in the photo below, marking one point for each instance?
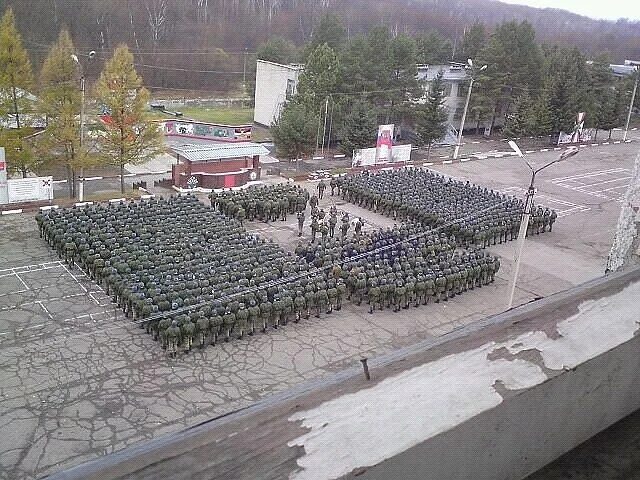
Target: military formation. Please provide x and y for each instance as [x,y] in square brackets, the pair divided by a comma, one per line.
[190,274]
[181,270]
[475,216]
[401,266]
[264,203]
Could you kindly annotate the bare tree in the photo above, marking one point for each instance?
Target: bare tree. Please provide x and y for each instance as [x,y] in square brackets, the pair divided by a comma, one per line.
[157,18]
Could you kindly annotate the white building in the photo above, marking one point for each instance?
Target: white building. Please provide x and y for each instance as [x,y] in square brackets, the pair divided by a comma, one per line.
[275,83]
[456,83]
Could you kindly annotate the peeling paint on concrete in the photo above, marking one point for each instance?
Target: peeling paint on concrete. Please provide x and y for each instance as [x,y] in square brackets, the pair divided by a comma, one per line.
[369,426]
[400,412]
[592,331]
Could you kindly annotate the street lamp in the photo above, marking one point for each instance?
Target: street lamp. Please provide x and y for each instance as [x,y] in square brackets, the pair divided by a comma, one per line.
[466,106]
[528,205]
[91,55]
[633,98]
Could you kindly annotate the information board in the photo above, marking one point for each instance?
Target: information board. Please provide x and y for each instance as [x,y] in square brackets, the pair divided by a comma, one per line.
[30,189]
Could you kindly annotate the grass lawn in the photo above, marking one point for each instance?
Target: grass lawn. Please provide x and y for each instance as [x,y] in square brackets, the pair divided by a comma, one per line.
[227,116]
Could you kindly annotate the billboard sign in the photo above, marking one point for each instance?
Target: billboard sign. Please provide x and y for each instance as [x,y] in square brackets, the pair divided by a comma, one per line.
[384,143]
[367,156]
[30,189]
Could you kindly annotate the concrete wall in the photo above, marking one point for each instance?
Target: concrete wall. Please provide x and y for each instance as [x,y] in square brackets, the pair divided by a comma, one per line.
[530,429]
[271,89]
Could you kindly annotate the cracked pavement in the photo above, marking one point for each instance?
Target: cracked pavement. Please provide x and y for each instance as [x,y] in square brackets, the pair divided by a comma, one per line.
[78,380]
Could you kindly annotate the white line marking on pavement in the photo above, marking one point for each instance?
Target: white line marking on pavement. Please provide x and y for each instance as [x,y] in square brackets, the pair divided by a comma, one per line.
[31,268]
[465,159]
[447,162]
[589,174]
[39,302]
[22,282]
[606,181]
[11,212]
[74,277]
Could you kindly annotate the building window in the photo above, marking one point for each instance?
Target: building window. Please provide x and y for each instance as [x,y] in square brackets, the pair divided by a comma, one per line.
[458,113]
[291,88]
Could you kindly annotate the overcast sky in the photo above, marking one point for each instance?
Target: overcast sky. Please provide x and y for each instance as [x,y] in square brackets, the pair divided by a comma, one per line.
[609,9]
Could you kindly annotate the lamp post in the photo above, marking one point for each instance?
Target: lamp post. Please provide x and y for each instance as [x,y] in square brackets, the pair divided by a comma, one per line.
[466,107]
[528,206]
[91,55]
[633,99]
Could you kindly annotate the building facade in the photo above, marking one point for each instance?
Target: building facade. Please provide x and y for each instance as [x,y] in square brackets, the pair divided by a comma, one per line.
[275,83]
[216,166]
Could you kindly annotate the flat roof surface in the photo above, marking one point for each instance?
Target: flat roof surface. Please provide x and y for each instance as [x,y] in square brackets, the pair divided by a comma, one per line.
[219,151]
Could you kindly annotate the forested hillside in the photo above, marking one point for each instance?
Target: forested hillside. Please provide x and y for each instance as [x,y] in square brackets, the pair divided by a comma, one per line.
[203,44]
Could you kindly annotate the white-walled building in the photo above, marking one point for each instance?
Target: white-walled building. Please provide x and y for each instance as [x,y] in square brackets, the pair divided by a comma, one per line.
[456,84]
[275,83]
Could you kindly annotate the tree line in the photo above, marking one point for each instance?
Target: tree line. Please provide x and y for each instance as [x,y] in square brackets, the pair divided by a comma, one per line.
[204,44]
[526,88]
[55,96]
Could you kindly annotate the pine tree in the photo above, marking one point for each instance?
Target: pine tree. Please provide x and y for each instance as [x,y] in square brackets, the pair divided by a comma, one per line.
[277,50]
[540,120]
[319,79]
[19,152]
[517,122]
[359,128]
[60,102]
[432,48]
[129,136]
[514,63]
[294,132]
[404,88]
[16,76]
[475,38]
[329,30]
[431,116]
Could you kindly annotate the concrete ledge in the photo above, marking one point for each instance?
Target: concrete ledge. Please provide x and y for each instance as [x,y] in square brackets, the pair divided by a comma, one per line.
[505,396]
[11,212]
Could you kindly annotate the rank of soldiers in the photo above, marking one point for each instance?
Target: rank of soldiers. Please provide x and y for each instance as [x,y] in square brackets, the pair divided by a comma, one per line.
[401,266]
[264,203]
[190,274]
[474,215]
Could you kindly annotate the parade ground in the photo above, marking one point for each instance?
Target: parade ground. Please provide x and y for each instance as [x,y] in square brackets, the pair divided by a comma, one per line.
[78,380]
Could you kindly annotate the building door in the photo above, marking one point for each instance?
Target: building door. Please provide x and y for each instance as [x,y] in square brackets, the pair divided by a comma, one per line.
[229,181]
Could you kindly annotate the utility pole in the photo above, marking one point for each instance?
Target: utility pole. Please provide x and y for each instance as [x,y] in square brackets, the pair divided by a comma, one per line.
[82,108]
[633,99]
[83,89]
[324,129]
[244,71]
[466,107]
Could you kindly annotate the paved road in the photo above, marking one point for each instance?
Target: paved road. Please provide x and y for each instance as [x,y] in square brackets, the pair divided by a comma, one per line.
[77,381]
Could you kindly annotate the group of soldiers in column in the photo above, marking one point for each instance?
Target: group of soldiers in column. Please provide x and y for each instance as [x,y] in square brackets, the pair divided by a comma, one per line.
[187,273]
[324,224]
[402,266]
[474,215]
[264,203]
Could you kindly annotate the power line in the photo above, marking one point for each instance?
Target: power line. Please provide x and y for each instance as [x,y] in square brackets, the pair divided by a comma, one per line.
[204,51]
